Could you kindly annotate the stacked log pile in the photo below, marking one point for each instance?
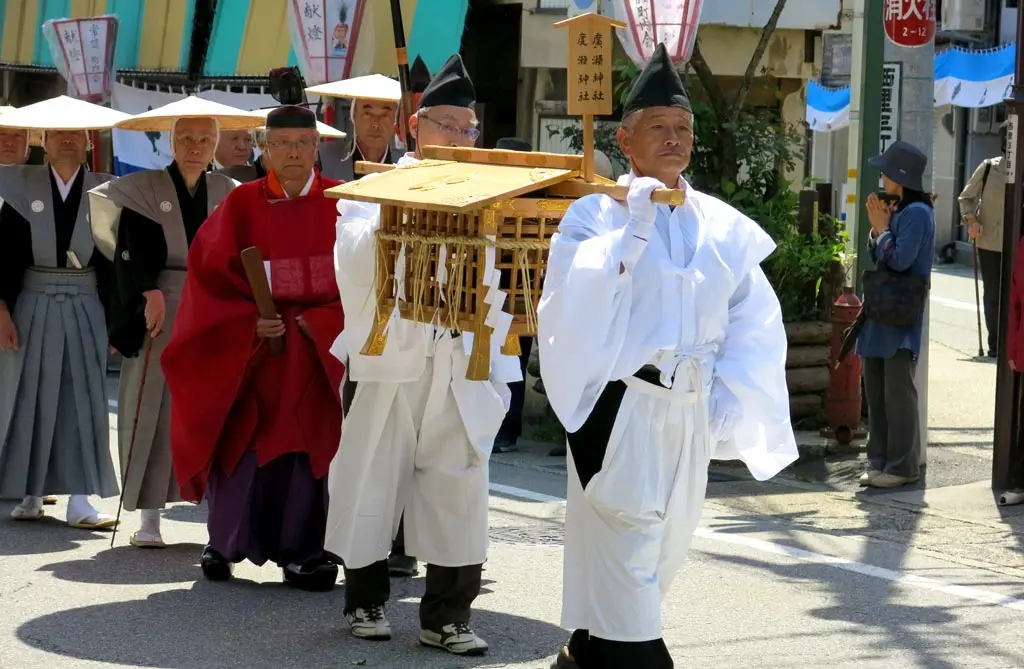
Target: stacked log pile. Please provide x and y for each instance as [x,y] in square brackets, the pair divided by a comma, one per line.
[807,371]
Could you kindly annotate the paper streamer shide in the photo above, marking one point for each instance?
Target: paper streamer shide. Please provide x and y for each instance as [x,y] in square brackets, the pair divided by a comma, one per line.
[972,79]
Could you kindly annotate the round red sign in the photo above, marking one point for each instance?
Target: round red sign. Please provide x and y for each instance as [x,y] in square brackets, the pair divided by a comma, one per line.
[909,23]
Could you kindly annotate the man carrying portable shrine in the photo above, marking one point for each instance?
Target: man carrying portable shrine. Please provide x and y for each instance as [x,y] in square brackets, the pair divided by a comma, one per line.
[145,222]
[374,109]
[53,337]
[254,431]
[375,99]
[661,346]
[418,434]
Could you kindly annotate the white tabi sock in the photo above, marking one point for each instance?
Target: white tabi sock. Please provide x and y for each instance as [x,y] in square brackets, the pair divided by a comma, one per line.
[79,508]
[31,502]
[150,527]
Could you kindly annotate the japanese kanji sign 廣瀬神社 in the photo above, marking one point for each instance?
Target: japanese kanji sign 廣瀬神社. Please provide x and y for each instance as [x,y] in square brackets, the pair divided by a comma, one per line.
[590,65]
[324,34]
[909,23]
[83,52]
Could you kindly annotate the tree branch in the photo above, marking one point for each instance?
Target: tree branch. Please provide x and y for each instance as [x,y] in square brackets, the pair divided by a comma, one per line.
[708,82]
[755,60]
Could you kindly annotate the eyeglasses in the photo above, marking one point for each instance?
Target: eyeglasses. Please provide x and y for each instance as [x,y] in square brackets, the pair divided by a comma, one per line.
[454,131]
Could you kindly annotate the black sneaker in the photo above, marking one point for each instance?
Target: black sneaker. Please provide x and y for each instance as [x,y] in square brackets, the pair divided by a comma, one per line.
[314,577]
[457,638]
[403,565]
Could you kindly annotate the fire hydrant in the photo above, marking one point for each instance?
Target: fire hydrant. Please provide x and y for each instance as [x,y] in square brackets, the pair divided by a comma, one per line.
[843,401]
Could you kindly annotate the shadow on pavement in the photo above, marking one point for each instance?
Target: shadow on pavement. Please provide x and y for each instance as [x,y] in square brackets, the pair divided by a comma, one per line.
[127,565]
[48,535]
[186,513]
[243,624]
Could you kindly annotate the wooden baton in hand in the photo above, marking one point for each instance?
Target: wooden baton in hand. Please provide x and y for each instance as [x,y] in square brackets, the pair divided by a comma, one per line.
[252,262]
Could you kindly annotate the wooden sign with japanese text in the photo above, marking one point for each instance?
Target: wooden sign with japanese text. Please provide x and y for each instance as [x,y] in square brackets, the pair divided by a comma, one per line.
[590,64]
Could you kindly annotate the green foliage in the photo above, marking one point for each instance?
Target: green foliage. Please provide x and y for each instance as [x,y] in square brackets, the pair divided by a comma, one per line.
[801,261]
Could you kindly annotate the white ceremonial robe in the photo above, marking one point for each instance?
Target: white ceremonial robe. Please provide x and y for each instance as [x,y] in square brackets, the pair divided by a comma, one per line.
[418,435]
[697,306]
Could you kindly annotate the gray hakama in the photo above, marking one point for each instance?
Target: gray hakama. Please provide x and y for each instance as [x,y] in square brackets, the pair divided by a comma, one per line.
[157,201]
[53,402]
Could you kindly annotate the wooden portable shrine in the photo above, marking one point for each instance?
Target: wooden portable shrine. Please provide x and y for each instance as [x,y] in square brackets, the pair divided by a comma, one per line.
[452,222]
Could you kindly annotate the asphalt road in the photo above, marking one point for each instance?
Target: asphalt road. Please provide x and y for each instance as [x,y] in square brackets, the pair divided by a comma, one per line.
[785,574]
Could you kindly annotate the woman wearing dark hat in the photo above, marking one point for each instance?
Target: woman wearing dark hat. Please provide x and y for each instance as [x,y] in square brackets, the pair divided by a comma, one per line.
[902,241]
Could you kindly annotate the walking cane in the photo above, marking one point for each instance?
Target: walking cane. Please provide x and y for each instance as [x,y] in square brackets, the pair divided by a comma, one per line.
[977,298]
[131,445]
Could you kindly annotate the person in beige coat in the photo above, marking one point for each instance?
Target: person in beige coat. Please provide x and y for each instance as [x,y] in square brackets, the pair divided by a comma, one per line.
[981,205]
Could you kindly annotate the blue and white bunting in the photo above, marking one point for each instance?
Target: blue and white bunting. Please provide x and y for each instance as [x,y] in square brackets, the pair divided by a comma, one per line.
[828,109]
[963,78]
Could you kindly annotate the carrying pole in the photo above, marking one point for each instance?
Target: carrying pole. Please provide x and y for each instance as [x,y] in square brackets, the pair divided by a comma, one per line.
[403,71]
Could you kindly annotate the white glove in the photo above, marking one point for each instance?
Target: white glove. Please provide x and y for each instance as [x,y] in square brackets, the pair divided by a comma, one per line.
[641,219]
[642,211]
[724,412]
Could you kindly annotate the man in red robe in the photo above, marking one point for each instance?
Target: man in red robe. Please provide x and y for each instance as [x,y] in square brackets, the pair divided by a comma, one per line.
[253,431]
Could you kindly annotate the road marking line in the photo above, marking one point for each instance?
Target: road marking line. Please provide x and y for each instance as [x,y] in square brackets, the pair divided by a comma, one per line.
[112,405]
[522,493]
[954,304]
[921,582]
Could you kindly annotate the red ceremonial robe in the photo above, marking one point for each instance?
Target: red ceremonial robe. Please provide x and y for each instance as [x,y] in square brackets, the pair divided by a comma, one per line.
[230,395]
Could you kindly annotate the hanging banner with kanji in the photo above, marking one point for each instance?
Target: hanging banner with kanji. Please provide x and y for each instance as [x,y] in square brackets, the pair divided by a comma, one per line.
[650,22]
[83,51]
[324,34]
[909,23]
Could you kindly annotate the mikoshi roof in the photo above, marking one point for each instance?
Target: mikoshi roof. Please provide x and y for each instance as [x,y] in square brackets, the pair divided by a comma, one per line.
[162,118]
[371,87]
[61,113]
[324,129]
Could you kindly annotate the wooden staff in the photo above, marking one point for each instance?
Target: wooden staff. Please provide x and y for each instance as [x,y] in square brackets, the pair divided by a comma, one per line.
[403,70]
[252,261]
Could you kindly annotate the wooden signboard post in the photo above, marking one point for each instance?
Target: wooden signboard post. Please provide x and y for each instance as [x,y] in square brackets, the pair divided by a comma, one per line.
[590,75]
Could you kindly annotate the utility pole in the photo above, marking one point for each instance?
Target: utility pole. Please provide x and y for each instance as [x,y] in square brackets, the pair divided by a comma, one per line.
[1006,437]
[916,113]
[865,101]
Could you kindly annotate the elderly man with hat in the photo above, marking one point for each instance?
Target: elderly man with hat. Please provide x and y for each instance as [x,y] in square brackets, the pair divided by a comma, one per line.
[662,346]
[374,111]
[253,430]
[54,284]
[145,222]
[413,406]
[902,239]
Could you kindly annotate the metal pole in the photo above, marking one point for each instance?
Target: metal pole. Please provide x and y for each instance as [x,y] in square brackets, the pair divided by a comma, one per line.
[865,179]
[1005,437]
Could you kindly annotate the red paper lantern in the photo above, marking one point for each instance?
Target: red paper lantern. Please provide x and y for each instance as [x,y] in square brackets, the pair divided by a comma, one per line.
[909,23]
[650,22]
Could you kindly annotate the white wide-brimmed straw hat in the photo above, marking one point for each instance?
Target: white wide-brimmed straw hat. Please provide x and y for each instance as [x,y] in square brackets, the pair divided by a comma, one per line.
[371,87]
[324,129]
[35,137]
[162,118]
[61,113]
